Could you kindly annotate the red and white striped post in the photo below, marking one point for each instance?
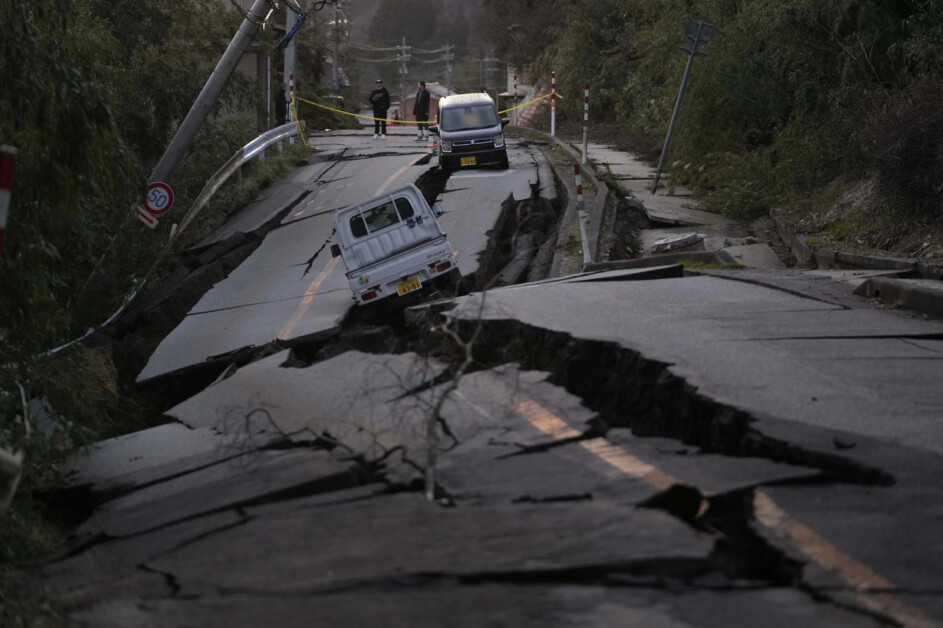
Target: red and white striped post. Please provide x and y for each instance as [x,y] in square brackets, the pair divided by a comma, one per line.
[585,120]
[515,100]
[291,100]
[7,163]
[553,104]
[581,207]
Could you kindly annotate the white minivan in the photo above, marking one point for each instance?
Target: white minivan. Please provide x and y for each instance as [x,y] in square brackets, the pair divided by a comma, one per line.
[392,245]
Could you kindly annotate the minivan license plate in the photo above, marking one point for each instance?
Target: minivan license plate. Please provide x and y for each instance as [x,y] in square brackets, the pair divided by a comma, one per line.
[408,286]
[468,161]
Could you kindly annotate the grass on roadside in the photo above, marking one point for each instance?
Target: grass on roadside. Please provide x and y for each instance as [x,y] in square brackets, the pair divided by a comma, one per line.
[90,403]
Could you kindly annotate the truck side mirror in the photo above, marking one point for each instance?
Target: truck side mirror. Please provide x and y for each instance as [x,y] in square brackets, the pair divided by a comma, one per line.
[437,210]
[434,129]
[335,250]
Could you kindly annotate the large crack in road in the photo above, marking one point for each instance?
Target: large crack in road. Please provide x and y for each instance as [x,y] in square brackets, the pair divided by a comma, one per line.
[625,451]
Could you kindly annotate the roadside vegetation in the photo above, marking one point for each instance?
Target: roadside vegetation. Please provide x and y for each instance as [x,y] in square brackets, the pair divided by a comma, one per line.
[827,109]
[92,93]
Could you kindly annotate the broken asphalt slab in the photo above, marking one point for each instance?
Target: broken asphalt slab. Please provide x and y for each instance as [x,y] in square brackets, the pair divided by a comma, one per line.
[402,536]
[229,484]
[355,399]
[503,605]
[120,464]
[716,333]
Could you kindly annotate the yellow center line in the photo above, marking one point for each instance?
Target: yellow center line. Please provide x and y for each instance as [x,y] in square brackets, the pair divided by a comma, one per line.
[554,426]
[392,178]
[308,298]
[767,513]
[309,293]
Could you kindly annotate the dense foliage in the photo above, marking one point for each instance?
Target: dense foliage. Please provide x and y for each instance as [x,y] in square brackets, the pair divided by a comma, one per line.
[794,94]
[93,91]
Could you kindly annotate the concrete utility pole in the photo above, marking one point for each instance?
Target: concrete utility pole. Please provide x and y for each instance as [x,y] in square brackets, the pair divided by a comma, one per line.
[335,85]
[699,32]
[448,66]
[210,93]
[291,57]
[490,60]
[403,58]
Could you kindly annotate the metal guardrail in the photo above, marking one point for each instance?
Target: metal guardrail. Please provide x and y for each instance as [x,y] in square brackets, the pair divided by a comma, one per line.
[241,157]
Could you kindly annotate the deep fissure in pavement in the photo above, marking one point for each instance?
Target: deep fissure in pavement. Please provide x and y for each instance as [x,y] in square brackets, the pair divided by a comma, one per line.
[629,390]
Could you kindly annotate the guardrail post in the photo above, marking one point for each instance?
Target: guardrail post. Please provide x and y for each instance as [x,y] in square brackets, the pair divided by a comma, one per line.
[585,121]
[553,104]
[581,207]
[7,163]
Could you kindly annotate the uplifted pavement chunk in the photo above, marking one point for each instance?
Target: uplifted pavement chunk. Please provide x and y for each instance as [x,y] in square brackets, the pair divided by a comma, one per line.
[501,605]
[403,535]
[356,399]
[119,464]
[232,483]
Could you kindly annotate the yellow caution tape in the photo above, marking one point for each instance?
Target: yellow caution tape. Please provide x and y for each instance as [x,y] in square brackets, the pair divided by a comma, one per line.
[357,115]
[301,131]
[530,102]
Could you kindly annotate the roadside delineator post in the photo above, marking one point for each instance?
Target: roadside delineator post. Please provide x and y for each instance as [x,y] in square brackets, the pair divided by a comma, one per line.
[291,98]
[515,101]
[585,121]
[581,207]
[7,163]
[553,104]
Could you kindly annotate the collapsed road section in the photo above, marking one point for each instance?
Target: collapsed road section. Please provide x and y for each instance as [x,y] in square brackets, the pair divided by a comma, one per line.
[580,475]
[688,450]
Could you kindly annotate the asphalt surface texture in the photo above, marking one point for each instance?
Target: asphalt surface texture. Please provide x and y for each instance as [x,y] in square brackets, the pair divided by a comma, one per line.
[640,446]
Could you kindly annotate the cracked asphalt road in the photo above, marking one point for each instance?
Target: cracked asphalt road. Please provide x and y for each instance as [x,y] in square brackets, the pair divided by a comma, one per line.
[628,448]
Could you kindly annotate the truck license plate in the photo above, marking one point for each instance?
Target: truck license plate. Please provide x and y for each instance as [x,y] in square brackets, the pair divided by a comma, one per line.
[468,161]
[408,286]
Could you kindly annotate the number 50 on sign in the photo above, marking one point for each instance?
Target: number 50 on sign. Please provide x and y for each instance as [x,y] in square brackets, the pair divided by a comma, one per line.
[160,198]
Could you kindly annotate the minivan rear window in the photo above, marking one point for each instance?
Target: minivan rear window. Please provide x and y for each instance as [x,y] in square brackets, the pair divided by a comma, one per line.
[469,117]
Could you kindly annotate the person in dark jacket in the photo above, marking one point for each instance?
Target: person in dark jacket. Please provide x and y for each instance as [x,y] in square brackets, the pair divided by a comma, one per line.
[421,111]
[380,99]
[281,106]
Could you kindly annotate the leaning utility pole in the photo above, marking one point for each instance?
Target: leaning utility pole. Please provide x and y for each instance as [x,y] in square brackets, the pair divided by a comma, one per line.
[291,57]
[210,93]
[699,32]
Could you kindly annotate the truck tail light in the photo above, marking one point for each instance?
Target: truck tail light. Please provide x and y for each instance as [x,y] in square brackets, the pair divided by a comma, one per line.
[441,266]
[368,296]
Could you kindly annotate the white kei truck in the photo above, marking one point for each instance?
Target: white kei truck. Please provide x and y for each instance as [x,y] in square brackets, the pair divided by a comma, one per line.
[392,245]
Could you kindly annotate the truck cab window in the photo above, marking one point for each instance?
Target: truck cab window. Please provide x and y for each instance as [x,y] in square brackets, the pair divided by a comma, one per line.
[405,208]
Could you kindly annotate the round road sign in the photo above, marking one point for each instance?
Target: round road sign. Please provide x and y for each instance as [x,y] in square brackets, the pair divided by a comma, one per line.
[160,198]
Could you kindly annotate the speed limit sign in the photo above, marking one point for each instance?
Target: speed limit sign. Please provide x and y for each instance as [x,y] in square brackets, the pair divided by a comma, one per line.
[160,198]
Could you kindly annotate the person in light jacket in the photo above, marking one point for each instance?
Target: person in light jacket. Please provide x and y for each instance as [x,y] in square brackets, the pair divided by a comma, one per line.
[421,111]
[380,99]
